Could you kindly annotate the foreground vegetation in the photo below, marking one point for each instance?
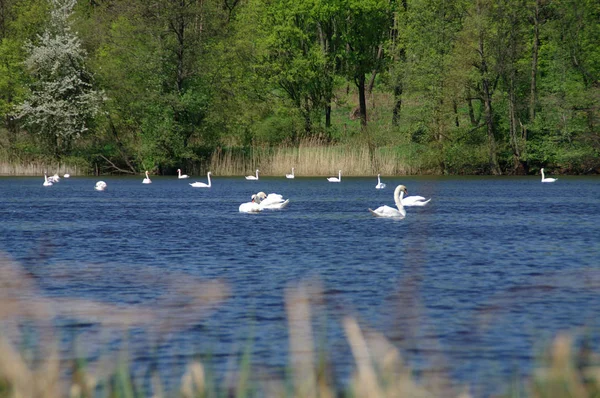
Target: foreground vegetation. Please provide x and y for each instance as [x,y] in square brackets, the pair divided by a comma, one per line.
[36,369]
[469,86]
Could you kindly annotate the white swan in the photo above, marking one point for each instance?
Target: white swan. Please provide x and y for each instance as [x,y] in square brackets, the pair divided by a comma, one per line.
[253,177]
[415,201]
[290,175]
[380,185]
[54,178]
[336,179]
[47,182]
[100,186]
[386,211]
[271,201]
[250,207]
[67,175]
[547,179]
[201,184]
[147,180]
[181,176]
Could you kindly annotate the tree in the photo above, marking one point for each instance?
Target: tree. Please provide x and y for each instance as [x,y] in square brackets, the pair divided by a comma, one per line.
[364,30]
[63,101]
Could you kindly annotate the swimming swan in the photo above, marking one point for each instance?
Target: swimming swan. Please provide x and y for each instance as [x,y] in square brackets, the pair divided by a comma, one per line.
[47,183]
[147,180]
[380,185]
[100,186]
[272,201]
[290,175]
[181,176]
[415,201]
[547,179]
[386,211]
[253,177]
[201,184]
[250,207]
[67,175]
[336,179]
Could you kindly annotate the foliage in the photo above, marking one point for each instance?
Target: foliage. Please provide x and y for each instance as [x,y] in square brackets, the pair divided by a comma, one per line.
[181,79]
[62,102]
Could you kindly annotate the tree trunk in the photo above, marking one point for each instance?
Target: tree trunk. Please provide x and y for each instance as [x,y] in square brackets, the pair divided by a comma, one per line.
[374,72]
[487,102]
[397,102]
[328,115]
[534,61]
[362,100]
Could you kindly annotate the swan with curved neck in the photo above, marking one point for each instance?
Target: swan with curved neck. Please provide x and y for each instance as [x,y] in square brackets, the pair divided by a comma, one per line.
[250,207]
[201,184]
[271,201]
[387,211]
[147,180]
[47,183]
[336,179]
[380,185]
[547,179]
[290,175]
[181,176]
[253,177]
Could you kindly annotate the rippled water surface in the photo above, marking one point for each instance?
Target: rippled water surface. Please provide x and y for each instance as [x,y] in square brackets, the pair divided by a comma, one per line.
[477,280]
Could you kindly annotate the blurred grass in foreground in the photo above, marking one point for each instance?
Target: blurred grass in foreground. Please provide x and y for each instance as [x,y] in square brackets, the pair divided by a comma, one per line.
[378,367]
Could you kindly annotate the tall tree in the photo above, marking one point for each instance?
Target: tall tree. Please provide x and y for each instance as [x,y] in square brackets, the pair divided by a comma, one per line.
[364,29]
[63,100]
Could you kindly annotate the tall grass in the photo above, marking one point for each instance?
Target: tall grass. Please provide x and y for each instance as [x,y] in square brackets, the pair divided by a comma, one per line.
[312,158]
[379,371]
[37,168]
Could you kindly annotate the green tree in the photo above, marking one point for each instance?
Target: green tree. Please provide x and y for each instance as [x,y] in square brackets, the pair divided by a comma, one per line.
[63,101]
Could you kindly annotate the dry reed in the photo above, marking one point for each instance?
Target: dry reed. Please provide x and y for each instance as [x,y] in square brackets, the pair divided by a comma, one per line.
[311,158]
[39,168]
[379,371]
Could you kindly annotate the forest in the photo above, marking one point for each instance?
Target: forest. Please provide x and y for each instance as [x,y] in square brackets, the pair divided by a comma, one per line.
[371,86]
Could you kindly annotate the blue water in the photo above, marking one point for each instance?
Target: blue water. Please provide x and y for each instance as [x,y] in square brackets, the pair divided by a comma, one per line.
[473,284]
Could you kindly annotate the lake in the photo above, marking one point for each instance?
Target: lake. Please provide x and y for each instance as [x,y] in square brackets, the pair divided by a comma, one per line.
[475,284]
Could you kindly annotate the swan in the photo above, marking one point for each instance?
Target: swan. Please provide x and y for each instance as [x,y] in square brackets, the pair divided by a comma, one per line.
[415,201]
[336,179]
[67,175]
[47,182]
[147,180]
[100,186]
[380,185]
[290,175]
[201,184]
[250,207]
[253,177]
[272,201]
[54,178]
[181,176]
[386,211]
[547,179]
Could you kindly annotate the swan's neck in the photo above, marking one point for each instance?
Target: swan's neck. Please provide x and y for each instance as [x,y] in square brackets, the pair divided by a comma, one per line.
[208,175]
[543,174]
[378,181]
[340,175]
[398,196]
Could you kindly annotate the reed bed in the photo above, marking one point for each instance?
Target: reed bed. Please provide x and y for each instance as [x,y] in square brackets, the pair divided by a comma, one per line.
[312,159]
[379,370]
[39,168]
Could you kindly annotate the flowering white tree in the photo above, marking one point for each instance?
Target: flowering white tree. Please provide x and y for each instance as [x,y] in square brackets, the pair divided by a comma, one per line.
[62,101]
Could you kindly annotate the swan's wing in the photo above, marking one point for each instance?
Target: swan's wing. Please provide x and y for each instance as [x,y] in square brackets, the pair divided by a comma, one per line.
[250,207]
[386,211]
[416,203]
[409,200]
